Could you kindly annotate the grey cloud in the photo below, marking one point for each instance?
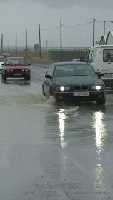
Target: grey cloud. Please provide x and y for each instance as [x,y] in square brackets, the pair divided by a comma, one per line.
[84,3]
[56,3]
[101,4]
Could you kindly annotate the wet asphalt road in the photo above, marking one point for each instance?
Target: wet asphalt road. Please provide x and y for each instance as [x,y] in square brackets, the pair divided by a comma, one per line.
[51,152]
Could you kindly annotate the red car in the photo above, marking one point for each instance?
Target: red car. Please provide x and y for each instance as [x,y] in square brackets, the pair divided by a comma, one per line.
[16,67]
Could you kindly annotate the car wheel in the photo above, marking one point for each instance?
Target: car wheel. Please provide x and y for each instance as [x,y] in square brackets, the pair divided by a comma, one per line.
[101,101]
[43,92]
[3,78]
[59,98]
[27,77]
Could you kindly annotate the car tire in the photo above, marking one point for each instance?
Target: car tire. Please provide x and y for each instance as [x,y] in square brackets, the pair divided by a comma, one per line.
[27,78]
[4,78]
[43,92]
[101,101]
[58,99]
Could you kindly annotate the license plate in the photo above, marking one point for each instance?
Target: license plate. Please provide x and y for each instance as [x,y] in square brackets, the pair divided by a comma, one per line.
[108,76]
[17,74]
[81,94]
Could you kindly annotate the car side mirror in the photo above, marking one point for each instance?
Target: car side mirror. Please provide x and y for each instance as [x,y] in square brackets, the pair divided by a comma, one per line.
[48,76]
[99,74]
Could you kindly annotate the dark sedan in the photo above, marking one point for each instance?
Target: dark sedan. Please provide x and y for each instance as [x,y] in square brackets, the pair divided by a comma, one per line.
[73,80]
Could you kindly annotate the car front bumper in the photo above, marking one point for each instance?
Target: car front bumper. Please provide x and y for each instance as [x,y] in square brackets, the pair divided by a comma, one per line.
[79,95]
[16,74]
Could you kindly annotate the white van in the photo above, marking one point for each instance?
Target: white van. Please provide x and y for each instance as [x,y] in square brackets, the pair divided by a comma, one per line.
[101,57]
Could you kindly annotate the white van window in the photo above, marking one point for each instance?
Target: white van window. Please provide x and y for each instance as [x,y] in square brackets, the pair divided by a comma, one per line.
[108,55]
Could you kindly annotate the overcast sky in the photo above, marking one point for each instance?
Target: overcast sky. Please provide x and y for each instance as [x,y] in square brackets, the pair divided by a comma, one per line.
[16,15]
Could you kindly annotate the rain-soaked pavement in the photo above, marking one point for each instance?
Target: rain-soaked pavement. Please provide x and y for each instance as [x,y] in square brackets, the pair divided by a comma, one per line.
[50,152]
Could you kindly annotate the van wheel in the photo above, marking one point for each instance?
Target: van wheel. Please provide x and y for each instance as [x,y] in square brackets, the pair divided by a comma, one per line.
[101,101]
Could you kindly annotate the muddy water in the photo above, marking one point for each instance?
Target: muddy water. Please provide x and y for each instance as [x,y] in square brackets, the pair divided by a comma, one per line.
[53,152]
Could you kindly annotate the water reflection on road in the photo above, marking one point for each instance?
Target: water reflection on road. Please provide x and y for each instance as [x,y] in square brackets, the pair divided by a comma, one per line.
[100,137]
[73,123]
[62,117]
[64,114]
[100,131]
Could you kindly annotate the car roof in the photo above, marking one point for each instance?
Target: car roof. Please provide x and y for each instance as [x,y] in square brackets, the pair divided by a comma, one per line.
[70,62]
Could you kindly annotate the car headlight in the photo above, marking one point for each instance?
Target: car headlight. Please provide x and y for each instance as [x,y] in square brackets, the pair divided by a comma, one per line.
[26,70]
[62,88]
[97,87]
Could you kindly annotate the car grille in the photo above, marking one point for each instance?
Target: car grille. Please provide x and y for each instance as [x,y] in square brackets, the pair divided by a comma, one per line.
[80,87]
[17,70]
[108,83]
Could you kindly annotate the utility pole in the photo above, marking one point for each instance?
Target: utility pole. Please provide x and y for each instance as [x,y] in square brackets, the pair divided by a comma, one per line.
[46,46]
[2,41]
[104,27]
[61,28]
[26,42]
[94,20]
[26,39]
[16,45]
[40,49]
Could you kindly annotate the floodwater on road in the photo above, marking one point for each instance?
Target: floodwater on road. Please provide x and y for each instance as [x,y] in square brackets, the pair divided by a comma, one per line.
[53,152]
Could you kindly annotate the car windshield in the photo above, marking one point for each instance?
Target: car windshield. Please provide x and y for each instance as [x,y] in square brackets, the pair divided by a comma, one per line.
[73,70]
[15,61]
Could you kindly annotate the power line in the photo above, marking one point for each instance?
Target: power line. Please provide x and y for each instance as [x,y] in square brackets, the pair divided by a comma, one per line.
[74,26]
[66,26]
